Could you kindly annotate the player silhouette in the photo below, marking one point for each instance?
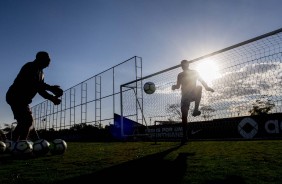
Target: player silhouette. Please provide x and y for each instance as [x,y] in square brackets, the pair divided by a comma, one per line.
[29,82]
[187,80]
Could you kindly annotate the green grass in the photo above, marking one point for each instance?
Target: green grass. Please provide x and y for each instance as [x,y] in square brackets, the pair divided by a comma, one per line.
[199,162]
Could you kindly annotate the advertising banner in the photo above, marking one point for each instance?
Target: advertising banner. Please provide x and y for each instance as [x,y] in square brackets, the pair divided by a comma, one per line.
[245,127]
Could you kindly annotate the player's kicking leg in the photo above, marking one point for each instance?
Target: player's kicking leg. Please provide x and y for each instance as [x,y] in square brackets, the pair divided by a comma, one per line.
[198,96]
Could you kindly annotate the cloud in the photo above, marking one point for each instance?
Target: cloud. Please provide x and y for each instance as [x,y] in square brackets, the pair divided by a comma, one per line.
[238,87]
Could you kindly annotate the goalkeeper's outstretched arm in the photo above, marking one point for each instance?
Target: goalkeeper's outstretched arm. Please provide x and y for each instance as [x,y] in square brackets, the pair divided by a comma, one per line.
[205,85]
[56,90]
[177,85]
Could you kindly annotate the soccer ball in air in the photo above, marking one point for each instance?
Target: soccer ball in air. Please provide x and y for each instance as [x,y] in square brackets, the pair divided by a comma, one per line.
[2,147]
[41,147]
[58,147]
[149,87]
[22,148]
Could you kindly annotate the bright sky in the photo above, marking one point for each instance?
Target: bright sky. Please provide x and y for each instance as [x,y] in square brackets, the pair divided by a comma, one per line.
[87,37]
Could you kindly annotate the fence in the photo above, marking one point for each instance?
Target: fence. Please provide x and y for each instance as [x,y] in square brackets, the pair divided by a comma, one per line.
[93,101]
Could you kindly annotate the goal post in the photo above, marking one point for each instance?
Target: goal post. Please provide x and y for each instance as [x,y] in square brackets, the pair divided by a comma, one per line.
[247,81]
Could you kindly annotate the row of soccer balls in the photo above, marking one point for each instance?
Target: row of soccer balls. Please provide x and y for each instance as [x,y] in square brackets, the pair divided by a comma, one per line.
[37,148]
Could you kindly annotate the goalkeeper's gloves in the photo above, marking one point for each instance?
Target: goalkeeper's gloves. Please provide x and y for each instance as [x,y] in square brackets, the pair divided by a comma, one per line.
[56,90]
[55,100]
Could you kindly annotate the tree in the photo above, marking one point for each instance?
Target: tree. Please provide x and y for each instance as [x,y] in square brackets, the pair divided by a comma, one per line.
[262,106]
[174,112]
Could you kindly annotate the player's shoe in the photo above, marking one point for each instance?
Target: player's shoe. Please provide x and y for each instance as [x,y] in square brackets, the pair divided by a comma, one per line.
[196,113]
[184,141]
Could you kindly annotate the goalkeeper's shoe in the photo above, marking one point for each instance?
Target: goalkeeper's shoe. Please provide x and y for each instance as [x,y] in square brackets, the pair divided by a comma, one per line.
[196,113]
[183,141]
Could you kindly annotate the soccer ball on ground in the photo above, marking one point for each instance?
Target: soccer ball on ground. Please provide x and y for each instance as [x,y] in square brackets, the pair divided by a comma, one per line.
[58,147]
[2,147]
[149,87]
[22,148]
[9,144]
[41,147]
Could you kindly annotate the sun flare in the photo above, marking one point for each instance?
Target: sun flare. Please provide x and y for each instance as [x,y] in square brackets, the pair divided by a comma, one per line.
[208,70]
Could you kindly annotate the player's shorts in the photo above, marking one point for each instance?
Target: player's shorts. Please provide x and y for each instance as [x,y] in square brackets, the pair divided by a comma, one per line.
[22,113]
[187,98]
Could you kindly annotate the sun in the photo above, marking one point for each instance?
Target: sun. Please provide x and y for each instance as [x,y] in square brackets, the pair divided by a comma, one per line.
[208,70]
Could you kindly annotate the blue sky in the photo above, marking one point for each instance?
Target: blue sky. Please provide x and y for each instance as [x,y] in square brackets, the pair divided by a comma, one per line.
[87,37]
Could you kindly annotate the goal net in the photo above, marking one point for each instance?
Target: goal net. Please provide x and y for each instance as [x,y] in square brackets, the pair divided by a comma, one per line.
[246,77]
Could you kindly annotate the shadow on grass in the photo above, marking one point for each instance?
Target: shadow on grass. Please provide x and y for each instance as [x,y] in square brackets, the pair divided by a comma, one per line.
[232,179]
[149,169]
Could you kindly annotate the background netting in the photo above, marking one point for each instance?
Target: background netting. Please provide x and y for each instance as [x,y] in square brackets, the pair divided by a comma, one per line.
[245,76]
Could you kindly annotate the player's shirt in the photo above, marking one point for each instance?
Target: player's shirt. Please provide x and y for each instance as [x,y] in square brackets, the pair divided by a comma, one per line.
[29,82]
[188,80]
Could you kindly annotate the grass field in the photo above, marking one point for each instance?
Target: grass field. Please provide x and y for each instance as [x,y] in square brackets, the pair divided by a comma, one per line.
[199,162]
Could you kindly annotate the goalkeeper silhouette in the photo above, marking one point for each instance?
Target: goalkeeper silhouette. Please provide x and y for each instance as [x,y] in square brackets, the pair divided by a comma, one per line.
[190,92]
[29,82]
